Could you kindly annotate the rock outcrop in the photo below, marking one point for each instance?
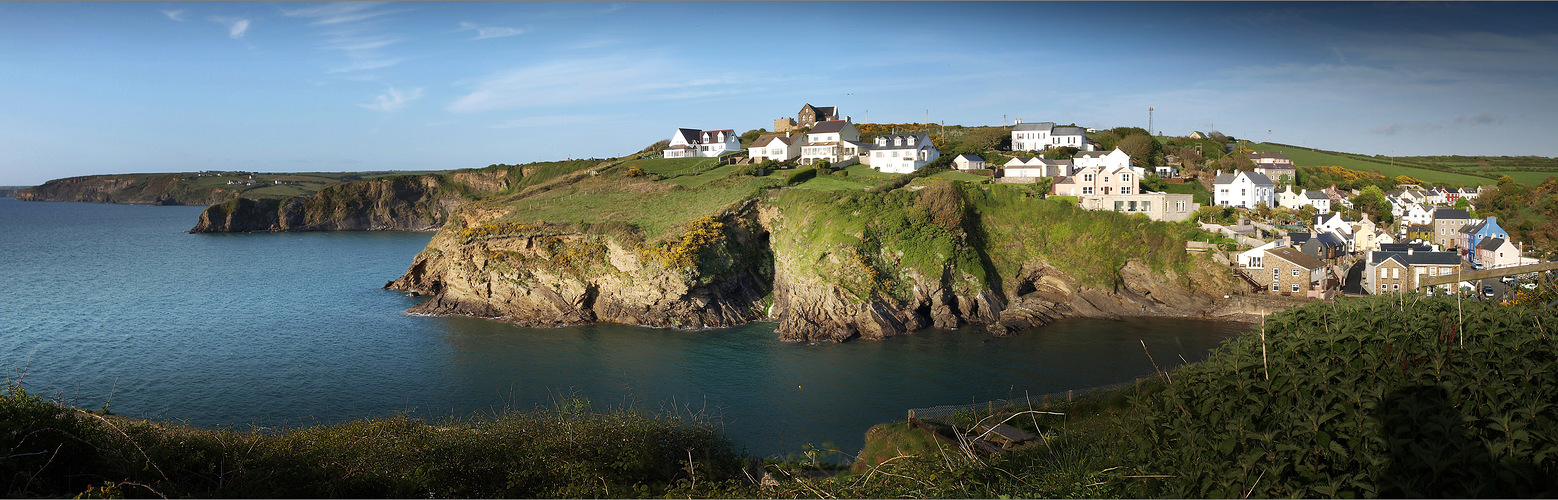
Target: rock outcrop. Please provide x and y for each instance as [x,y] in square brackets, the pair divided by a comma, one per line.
[142,189]
[563,275]
[399,203]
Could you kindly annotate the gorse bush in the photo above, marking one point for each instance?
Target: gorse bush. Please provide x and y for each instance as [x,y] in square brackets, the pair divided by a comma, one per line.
[1366,398]
[567,451]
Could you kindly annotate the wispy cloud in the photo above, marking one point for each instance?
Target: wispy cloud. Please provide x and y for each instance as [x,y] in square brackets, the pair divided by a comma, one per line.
[236,26]
[339,12]
[176,15]
[1485,118]
[483,32]
[1387,129]
[624,77]
[354,29]
[393,100]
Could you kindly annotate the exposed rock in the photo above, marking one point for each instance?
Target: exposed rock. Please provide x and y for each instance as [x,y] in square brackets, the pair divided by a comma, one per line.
[401,203]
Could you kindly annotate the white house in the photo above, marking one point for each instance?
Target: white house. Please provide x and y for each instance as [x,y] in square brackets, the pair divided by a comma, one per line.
[902,153]
[1416,214]
[691,142]
[1243,189]
[1252,258]
[1097,180]
[1333,223]
[834,141]
[1289,199]
[968,162]
[1036,167]
[776,147]
[1038,136]
[1317,199]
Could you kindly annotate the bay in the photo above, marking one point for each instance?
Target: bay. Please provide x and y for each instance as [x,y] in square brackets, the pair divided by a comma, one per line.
[117,305]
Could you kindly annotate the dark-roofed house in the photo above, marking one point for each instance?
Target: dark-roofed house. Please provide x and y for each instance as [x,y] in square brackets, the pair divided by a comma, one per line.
[1497,252]
[1325,246]
[1297,239]
[1243,189]
[1386,272]
[902,153]
[1293,273]
[1423,232]
[692,143]
[1317,199]
[810,115]
[1474,233]
[1041,135]
[1447,224]
[834,141]
[776,147]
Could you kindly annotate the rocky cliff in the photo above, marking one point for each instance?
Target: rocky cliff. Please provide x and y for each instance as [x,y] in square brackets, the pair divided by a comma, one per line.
[825,267]
[143,189]
[398,203]
[714,273]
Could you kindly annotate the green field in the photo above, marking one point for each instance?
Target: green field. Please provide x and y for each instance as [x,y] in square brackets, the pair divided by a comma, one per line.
[1528,178]
[1311,158]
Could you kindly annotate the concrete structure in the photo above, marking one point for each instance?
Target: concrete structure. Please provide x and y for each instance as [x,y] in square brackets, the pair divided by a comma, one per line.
[692,143]
[1157,206]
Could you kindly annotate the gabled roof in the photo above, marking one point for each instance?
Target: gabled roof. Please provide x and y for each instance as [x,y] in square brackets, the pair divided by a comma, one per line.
[1260,178]
[1068,131]
[1473,228]
[1298,238]
[689,135]
[829,127]
[1402,247]
[1490,243]
[1329,240]
[920,141]
[765,140]
[1419,228]
[1224,179]
[1033,127]
[1450,213]
[1316,195]
[969,157]
[1301,259]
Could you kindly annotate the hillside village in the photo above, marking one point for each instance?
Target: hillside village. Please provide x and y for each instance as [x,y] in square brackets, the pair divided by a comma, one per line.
[1432,232]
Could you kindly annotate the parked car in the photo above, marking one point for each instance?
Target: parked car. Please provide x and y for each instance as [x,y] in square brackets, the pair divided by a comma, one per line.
[1487,290]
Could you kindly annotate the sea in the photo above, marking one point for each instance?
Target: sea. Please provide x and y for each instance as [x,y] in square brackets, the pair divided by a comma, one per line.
[119,307]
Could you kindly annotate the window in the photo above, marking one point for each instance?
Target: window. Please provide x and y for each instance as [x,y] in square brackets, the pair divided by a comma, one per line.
[1273,287]
[1087,189]
[1395,286]
[1295,272]
[1087,177]
[1125,177]
[1395,273]
[1179,206]
[1243,191]
[1274,273]
[1125,190]
[1295,287]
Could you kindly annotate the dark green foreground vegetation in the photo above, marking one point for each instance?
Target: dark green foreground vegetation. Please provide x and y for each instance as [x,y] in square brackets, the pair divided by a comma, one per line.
[1362,398]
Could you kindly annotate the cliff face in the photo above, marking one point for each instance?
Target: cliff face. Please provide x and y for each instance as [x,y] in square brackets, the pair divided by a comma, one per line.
[834,270]
[400,203]
[151,189]
[713,275]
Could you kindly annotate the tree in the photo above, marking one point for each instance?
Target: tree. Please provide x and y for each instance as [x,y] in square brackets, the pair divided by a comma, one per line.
[1140,147]
[1462,204]
[751,135]
[1106,139]
[1371,200]
[1060,153]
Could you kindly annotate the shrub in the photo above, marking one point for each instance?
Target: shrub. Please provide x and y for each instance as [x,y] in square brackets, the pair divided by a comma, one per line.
[800,176]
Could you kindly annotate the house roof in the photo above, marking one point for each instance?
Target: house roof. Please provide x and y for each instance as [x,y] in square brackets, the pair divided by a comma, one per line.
[969,157]
[1316,195]
[920,141]
[1032,127]
[689,135]
[1224,179]
[1298,238]
[1473,228]
[829,127]
[1261,156]
[1416,258]
[765,140]
[1419,228]
[1068,131]
[1259,178]
[1329,240]
[1402,247]
[1450,213]
[1490,243]
[1300,258]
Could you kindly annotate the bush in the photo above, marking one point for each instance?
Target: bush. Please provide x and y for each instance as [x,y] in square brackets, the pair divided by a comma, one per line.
[800,176]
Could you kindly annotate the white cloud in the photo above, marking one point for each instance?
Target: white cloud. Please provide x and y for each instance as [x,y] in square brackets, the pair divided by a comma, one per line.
[236,27]
[490,31]
[562,82]
[176,15]
[339,12]
[393,100]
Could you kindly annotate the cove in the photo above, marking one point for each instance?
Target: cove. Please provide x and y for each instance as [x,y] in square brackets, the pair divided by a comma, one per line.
[117,305]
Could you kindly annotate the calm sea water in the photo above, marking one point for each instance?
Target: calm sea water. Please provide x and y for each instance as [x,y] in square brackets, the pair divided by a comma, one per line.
[117,305]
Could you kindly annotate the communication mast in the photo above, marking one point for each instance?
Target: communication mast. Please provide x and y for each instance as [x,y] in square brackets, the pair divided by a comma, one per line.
[1149,120]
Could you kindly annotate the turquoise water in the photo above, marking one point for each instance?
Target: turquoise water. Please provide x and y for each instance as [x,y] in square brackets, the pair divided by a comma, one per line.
[117,305]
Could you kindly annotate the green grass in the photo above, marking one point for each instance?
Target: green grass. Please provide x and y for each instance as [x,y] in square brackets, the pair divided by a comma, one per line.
[705,177]
[668,168]
[1311,158]
[570,450]
[1527,178]
[953,175]
[826,182]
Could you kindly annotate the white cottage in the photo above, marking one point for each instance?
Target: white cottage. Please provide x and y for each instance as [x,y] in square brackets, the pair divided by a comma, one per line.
[902,153]
[777,147]
[1243,189]
[692,143]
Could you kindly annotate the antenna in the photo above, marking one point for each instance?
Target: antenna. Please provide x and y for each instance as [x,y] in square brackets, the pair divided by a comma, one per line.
[1149,120]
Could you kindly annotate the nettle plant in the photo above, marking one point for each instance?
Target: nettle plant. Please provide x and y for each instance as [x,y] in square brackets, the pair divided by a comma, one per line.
[1375,397]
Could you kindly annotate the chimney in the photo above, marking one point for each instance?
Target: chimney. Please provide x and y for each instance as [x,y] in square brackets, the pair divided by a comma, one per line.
[1019,121]
[1409,250]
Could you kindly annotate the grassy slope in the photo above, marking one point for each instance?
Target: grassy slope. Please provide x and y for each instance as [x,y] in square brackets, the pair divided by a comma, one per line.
[1311,158]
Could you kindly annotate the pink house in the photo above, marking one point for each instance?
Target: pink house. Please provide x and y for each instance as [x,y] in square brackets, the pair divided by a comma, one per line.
[1098,180]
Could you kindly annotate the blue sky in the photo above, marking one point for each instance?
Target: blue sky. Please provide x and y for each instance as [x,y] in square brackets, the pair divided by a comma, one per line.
[117,87]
